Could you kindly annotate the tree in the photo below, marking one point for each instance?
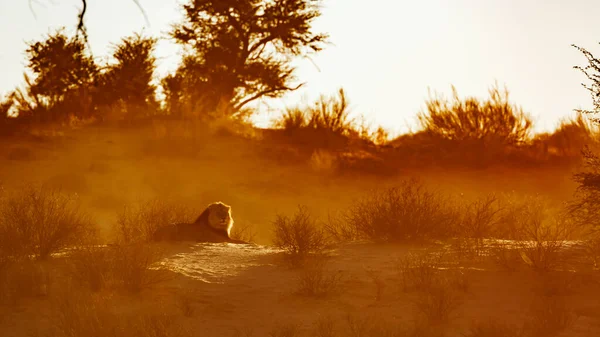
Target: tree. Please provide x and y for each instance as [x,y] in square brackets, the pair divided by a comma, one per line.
[592,72]
[129,80]
[586,206]
[62,73]
[238,51]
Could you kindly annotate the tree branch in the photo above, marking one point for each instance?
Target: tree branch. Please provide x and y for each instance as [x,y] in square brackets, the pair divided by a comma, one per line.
[81,26]
[263,93]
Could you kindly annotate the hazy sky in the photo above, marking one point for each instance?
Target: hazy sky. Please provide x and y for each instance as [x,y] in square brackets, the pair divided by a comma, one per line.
[386,55]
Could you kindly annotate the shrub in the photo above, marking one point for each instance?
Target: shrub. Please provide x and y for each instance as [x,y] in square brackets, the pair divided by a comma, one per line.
[299,235]
[331,113]
[132,267]
[327,113]
[244,232]
[140,221]
[379,283]
[405,213]
[438,303]
[38,222]
[549,316]
[571,136]
[315,281]
[338,229]
[542,236]
[493,328]
[81,314]
[505,255]
[285,330]
[292,119]
[136,268]
[419,271]
[92,266]
[480,218]
[23,279]
[592,250]
[586,205]
[325,327]
[327,123]
[491,122]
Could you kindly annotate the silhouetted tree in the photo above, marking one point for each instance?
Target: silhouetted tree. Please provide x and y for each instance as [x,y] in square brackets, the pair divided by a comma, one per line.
[128,82]
[587,204]
[62,74]
[183,89]
[241,50]
[592,72]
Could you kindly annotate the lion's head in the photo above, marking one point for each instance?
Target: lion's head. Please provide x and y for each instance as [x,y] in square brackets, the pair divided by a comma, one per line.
[218,216]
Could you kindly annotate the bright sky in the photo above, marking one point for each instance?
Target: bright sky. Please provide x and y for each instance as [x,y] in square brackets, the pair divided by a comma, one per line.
[385,54]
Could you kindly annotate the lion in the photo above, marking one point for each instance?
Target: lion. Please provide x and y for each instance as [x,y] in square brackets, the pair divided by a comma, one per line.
[213,225]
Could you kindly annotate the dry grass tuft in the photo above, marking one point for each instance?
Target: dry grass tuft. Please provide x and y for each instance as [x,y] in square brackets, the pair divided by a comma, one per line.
[92,266]
[131,267]
[285,330]
[23,279]
[136,269]
[379,283]
[79,314]
[419,272]
[493,328]
[315,280]
[245,232]
[438,304]
[549,316]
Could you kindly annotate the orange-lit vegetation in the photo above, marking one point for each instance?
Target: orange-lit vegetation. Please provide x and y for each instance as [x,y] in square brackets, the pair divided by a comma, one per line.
[470,226]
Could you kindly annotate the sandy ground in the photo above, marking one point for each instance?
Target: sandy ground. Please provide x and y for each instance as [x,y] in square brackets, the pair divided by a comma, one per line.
[232,290]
